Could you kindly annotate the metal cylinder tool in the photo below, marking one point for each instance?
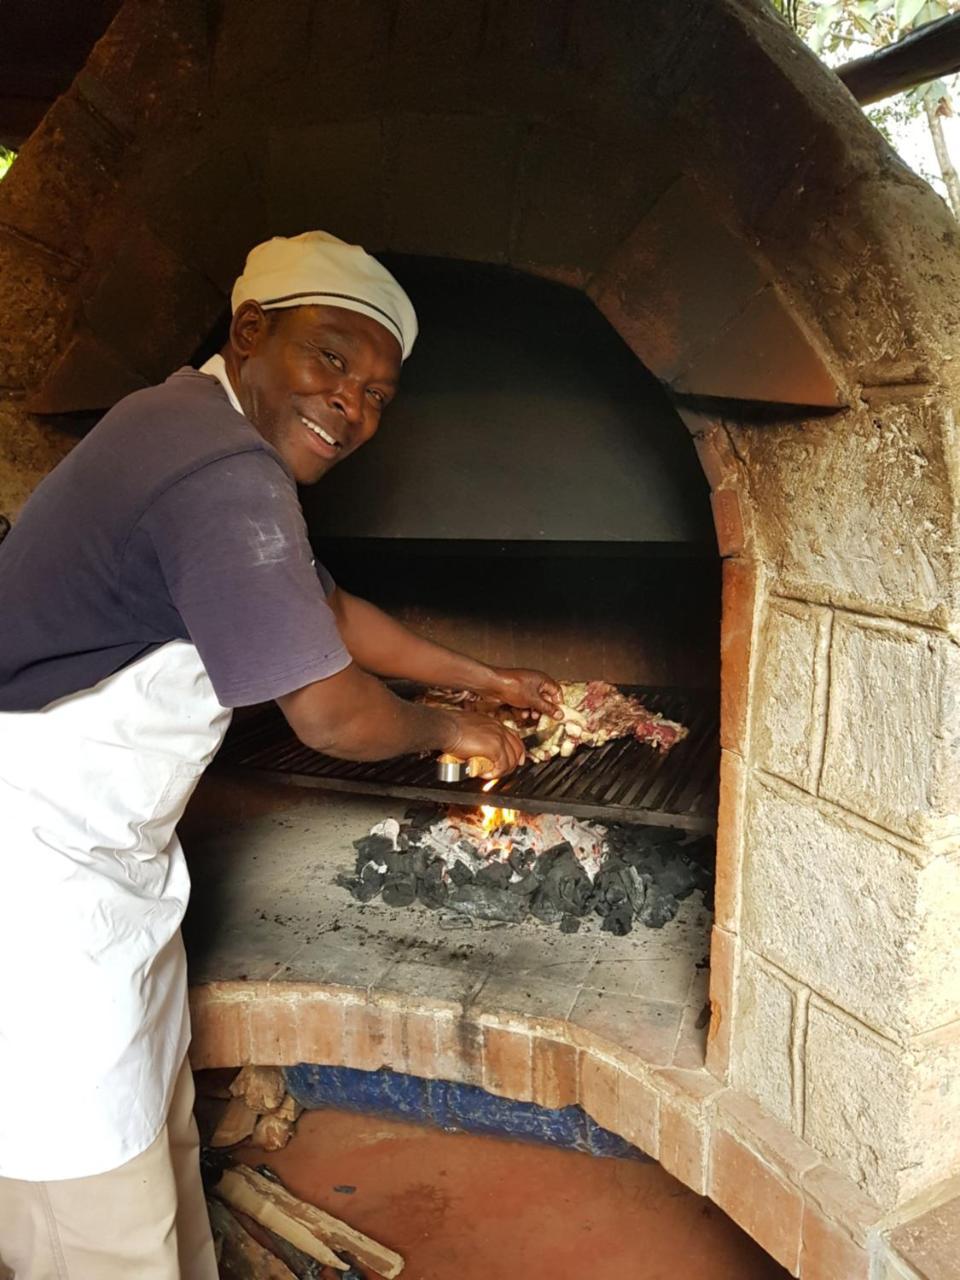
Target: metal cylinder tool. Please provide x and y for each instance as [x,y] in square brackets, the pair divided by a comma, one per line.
[452,769]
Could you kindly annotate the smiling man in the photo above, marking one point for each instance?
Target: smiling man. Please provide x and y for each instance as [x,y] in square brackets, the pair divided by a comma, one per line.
[159,577]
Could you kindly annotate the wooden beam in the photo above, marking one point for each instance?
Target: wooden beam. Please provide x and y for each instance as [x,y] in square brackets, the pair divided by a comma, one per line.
[923,55]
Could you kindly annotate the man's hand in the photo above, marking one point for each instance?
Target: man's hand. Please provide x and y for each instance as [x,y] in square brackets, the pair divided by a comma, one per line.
[479,735]
[533,690]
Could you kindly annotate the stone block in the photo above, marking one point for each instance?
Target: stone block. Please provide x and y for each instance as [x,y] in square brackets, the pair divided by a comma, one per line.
[190,196]
[686,1099]
[764,353]
[762,1056]
[740,594]
[757,1198]
[452,184]
[892,750]
[581,194]
[66,167]
[149,306]
[855,510]
[676,281]
[220,1019]
[605,1022]
[849,914]
[886,1114]
[790,693]
[255,48]
[327,175]
[87,375]
[36,301]
[838,1198]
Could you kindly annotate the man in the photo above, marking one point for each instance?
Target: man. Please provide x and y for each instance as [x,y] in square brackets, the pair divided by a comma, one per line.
[160,576]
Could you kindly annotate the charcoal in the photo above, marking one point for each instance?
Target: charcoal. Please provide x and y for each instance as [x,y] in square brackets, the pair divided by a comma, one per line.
[484,902]
[544,907]
[495,874]
[619,921]
[432,893]
[521,860]
[526,885]
[398,863]
[658,909]
[566,884]
[460,874]
[373,848]
[569,924]
[399,890]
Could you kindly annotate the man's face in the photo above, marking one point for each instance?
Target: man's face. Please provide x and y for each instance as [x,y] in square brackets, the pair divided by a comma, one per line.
[313,380]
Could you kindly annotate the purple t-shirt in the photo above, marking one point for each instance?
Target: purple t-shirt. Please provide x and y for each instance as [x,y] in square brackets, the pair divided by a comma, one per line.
[172,520]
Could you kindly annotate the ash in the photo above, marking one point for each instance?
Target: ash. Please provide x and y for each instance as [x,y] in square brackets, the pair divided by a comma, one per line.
[496,864]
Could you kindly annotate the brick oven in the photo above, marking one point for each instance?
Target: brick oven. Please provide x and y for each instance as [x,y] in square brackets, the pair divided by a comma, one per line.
[721,202]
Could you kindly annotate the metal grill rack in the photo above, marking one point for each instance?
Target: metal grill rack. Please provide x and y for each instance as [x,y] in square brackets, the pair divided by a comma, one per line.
[625,780]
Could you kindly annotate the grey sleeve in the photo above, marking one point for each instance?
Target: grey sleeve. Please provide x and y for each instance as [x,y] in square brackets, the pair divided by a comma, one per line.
[232,545]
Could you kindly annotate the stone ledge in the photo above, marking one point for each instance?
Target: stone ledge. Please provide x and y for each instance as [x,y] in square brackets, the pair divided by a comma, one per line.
[712,1138]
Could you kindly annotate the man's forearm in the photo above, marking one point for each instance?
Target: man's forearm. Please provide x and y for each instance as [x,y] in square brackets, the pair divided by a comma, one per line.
[385,647]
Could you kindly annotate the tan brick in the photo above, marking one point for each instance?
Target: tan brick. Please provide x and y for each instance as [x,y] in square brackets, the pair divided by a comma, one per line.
[275,1029]
[220,1023]
[840,1199]
[600,1090]
[733,781]
[828,1253]
[767,1207]
[728,521]
[555,1073]
[420,1043]
[683,1145]
[507,1063]
[639,1119]
[740,582]
[723,986]
[321,1029]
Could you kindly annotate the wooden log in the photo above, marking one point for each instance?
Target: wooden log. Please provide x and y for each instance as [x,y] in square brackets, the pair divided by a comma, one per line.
[239,1255]
[236,1123]
[303,1267]
[923,55]
[272,1132]
[259,1200]
[262,1088]
[299,1222]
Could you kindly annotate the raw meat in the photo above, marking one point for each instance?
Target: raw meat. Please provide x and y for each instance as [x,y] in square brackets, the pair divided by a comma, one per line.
[594,712]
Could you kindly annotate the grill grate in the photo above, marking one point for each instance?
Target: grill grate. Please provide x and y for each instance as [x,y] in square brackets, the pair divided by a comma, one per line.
[625,780]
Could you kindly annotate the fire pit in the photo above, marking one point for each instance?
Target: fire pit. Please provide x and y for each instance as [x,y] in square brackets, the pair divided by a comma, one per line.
[493,863]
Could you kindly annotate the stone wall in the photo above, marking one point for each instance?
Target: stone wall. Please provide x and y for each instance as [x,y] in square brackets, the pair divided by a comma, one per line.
[784,275]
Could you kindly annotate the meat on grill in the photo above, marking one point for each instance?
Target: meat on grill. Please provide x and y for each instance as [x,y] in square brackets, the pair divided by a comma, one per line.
[594,712]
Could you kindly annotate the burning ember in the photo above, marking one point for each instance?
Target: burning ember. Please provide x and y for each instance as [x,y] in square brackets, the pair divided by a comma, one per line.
[493,863]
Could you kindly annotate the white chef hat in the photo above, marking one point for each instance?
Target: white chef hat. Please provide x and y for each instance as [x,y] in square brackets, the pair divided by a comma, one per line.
[318,268]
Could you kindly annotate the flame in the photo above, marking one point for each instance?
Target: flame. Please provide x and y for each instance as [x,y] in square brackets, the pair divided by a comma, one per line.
[493,817]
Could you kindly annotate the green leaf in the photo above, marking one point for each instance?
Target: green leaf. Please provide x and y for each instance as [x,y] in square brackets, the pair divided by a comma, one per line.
[906,11]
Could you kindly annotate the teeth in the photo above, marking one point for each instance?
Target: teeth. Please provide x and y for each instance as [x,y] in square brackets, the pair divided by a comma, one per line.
[319,431]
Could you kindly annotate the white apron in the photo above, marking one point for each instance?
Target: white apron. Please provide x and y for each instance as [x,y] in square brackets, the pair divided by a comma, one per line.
[93,886]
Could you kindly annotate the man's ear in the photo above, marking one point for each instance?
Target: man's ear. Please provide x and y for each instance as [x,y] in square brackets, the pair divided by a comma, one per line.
[248,328]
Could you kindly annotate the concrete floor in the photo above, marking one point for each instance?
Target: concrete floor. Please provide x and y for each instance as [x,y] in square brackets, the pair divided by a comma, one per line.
[463,1207]
[264,858]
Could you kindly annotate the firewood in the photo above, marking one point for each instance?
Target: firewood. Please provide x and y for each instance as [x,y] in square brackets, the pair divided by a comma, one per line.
[298,1222]
[303,1268]
[261,1202]
[272,1132]
[236,1123]
[239,1255]
[262,1088]
[289,1109]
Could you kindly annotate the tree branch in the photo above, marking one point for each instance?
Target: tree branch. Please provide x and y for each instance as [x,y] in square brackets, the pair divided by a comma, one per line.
[923,55]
